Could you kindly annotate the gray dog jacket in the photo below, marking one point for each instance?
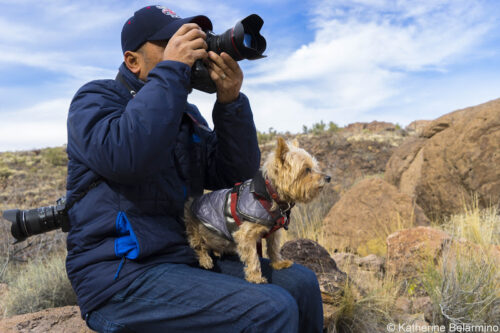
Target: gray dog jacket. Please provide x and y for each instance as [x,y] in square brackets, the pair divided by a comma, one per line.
[214,209]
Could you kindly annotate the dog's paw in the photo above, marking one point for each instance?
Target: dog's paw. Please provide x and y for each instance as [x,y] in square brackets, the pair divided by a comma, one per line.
[258,280]
[206,262]
[255,278]
[281,264]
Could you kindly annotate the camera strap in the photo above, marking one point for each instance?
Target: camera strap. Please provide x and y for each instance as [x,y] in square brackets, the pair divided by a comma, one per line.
[81,195]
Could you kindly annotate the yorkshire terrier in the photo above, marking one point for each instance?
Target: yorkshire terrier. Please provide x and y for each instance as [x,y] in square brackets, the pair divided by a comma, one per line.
[235,220]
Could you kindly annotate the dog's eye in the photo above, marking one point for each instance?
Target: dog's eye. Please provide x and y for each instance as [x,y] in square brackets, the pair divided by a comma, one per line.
[308,170]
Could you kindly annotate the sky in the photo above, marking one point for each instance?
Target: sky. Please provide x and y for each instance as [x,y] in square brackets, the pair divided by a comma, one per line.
[327,60]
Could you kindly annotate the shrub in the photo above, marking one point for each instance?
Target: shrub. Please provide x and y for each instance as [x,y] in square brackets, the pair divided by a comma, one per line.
[464,286]
[55,156]
[332,127]
[264,137]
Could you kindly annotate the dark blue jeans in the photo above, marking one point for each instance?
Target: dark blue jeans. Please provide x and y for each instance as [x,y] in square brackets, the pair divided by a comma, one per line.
[182,298]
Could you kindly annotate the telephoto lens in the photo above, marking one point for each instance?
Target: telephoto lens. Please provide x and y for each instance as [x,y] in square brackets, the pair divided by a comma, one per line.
[243,41]
[26,223]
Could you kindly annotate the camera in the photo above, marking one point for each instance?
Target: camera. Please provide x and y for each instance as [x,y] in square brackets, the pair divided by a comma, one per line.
[243,41]
[26,223]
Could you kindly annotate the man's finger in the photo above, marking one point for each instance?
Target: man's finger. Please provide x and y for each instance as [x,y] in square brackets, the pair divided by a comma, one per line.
[200,54]
[230,62]
[185,28]
[219,61]
[213,66]
[198,44]
[194,34]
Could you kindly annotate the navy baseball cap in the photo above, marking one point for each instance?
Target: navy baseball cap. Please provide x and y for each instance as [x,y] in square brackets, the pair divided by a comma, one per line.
[155,23]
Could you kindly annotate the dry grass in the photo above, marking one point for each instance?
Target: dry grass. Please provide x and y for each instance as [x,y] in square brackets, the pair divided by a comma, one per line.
[306,219]
[365,313]
[465,286]
[38,285]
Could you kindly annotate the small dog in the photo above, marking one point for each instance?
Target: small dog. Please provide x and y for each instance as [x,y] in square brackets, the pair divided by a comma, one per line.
[235,220]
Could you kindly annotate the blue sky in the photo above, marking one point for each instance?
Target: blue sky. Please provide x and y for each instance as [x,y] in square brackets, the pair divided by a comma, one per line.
[333,60]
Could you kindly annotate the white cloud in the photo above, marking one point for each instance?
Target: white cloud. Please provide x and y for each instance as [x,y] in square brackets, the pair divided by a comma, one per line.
[361,56]
[42,125]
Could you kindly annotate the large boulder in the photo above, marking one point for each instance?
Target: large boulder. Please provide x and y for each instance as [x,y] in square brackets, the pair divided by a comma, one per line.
[417,126]
[454,157]
[363,217]
[410,251]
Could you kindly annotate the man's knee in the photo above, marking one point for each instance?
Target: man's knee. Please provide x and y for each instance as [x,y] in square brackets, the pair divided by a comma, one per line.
[277,311]
[301,280]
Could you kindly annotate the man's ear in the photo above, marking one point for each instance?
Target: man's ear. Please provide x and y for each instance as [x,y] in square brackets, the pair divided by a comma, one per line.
[281,149]
[132,61]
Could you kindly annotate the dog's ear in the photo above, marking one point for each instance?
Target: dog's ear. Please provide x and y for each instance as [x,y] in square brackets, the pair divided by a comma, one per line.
[281,149]
[295,143]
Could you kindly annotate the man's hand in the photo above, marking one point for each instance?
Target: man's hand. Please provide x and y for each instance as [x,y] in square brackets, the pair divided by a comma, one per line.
[187,45]
[227,75]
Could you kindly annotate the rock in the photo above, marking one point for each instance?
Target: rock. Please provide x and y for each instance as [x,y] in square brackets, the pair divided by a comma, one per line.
[58,320]
[331,280]
[374,126]
[454,157]
[366,213]
[313,256]
[372,263]
[402,305]
[417,126]
[310,254]
[410,250]
[344,259]
[413,307]
[363,271]
[423,305]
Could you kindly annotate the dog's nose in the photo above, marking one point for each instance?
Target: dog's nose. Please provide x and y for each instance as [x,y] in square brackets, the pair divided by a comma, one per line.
[328,178]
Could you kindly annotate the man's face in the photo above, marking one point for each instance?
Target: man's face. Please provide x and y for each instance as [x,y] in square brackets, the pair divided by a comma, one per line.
[150,54]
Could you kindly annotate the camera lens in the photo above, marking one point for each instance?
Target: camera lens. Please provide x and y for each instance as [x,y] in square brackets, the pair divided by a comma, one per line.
[26,223]
[247,40]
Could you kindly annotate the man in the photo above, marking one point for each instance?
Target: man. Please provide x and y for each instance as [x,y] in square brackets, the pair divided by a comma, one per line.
[137,150]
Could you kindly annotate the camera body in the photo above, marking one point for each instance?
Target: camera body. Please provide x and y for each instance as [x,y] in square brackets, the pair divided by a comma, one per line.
[243,41]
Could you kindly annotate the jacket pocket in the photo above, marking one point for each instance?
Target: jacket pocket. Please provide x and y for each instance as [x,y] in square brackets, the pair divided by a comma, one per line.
[126,245]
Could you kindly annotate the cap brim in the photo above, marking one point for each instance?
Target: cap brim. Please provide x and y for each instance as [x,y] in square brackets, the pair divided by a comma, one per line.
[169,30]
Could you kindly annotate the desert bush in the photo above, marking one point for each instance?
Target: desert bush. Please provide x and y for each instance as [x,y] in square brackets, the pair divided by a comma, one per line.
[479,226]
[55,156]
[321,127]
[263,137]
[37,285]
[465,285]
[333,127]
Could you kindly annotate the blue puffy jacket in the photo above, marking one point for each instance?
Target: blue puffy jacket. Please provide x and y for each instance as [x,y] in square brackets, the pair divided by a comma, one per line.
[147,153]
